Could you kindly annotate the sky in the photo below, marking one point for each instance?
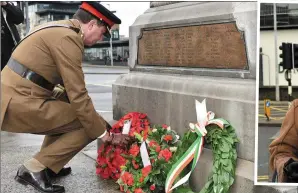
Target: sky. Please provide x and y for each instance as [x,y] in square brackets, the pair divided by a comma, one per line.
[127,12]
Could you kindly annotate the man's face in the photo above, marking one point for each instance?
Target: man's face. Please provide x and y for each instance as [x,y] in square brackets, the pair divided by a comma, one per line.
[94,33]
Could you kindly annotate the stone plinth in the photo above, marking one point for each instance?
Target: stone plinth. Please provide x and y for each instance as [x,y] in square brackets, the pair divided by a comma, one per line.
[171,100]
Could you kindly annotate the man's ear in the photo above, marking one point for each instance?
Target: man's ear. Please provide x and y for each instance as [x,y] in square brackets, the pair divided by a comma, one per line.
[91,23]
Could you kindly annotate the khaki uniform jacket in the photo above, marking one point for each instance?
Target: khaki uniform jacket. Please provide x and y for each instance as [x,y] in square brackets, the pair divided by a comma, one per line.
[286,145]
[54,53]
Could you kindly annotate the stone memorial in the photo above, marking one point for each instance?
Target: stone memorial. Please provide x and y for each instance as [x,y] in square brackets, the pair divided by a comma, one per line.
[186,51]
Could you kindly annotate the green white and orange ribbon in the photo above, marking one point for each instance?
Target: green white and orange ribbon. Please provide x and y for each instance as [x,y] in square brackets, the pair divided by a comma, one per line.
[194,152]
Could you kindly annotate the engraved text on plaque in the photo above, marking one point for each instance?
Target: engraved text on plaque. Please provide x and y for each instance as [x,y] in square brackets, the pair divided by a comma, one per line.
[205,46]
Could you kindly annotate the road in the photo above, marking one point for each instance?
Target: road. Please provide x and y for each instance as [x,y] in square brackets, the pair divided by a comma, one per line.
[264,135]
[278,111]
[266,130]
[99,82]
[15,148]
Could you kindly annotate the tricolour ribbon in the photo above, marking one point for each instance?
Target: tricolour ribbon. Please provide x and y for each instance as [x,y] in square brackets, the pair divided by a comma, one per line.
[195,150]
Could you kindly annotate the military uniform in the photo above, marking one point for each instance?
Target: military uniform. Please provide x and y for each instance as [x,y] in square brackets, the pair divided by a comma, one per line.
[55,54]
[285,146]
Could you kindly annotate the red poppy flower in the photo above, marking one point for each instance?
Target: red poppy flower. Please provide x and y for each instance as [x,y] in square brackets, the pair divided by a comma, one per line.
[166,154]
[146,170]
[152,143]
[138,190]
[119,161]
[119,150]
[127,178]
[98,170]
[168,138]
[164,126]
[105,173]
[157,149]
[101,161]
[108,149]
[112,168]
[132,131]
[145,134]
[142,116]
[134,150]
[135,165]
[116,176]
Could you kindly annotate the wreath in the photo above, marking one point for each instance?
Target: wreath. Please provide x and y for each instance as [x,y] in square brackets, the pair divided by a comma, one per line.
[158,161]
[223,144]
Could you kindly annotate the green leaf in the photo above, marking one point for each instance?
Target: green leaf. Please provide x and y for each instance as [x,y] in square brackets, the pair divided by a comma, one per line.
[229,140]
[138,136]
[215,178]
[224,147]
[154,172]
[224,155]
[231,181]
[224,161]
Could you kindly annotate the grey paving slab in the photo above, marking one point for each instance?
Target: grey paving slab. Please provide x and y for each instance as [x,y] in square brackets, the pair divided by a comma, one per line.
[82,179]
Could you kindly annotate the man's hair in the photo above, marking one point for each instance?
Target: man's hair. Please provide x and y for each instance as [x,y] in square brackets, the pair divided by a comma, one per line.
[85,17]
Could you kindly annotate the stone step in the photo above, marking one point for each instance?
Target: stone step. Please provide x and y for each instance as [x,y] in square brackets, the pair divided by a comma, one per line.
[244,180]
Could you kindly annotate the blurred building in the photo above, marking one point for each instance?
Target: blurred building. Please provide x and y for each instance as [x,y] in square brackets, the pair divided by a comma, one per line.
[287,30]
[40,12]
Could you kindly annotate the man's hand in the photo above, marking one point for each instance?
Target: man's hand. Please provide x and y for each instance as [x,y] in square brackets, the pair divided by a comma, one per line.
[291,170]
[116,138]
[120,139]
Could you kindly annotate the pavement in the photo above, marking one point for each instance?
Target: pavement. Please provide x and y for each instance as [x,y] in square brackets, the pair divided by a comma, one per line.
[16,148]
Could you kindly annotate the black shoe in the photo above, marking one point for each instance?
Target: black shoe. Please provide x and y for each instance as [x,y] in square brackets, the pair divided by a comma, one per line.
[61,173]
[39,180]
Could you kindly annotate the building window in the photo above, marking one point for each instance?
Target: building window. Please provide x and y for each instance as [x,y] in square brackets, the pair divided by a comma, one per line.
[57,17]
[286,15]
[115,34]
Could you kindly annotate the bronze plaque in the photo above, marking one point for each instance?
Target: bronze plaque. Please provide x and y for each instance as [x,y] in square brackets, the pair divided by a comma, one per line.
[204,46]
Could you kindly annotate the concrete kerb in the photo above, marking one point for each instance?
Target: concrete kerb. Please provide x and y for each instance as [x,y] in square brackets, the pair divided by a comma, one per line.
[270,124]
[104,66]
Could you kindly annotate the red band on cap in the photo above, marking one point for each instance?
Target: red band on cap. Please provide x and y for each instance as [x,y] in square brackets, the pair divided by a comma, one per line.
[92,10]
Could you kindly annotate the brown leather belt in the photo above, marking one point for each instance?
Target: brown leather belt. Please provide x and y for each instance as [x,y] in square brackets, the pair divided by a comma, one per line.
[28,74]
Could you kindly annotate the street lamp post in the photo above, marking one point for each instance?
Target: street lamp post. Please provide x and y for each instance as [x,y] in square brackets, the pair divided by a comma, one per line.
[112,61]
[276,62]
[111,46]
